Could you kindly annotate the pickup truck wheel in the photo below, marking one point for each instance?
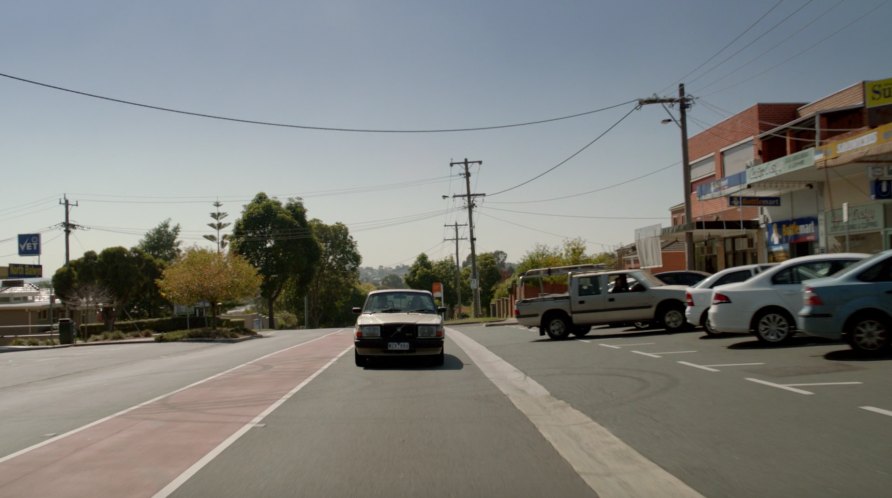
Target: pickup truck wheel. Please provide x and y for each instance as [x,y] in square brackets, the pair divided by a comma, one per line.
[582,330]
[557,327]
[672,317]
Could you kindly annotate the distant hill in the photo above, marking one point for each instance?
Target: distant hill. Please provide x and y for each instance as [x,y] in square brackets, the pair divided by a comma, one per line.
[368,274]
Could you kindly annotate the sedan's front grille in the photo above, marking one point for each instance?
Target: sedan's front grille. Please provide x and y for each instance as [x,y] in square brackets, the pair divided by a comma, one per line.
[399,331]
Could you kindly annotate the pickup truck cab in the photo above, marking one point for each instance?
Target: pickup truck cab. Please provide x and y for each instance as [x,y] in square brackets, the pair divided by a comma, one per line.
[598,298]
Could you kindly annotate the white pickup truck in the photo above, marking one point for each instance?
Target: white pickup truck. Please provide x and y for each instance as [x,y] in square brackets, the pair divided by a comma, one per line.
[604,297]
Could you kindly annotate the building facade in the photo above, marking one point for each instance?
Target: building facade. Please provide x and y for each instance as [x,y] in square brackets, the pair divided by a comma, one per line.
[778,181]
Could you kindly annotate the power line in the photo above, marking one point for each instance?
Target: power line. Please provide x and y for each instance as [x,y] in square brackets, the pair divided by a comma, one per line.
[774,46]
[762,35]
[811,46]
[556,166]
[586,217]
[713,56]
[307,127]
[570,196]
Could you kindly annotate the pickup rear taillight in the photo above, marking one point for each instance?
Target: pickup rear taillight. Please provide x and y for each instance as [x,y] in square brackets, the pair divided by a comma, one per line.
[688,299]
[811,298]
[719,298]
[516,313]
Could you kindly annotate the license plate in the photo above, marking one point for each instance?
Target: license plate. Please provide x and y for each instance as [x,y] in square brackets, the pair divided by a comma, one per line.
[397,346]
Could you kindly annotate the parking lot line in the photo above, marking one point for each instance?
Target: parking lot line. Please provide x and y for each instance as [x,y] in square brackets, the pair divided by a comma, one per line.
[714,368]
[780,386]
[874,409]
[659,355]
[620,346]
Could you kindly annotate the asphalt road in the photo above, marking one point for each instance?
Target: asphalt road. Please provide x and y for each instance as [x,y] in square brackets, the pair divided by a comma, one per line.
[618,413]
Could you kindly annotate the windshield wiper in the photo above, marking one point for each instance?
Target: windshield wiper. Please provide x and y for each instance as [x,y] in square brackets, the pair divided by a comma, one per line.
[390,310]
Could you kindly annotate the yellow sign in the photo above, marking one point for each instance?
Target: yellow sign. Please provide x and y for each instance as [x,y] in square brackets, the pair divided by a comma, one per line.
[877,93]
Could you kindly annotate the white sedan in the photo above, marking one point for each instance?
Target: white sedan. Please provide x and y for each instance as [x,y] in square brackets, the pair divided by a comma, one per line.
[767,304]
[698,297]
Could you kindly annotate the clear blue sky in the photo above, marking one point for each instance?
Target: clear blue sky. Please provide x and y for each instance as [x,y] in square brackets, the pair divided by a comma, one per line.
[407,65]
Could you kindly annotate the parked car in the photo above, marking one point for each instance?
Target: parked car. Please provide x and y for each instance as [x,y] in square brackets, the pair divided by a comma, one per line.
[399,322]
[768,303]
[855,305]
[699,296]
[682,277]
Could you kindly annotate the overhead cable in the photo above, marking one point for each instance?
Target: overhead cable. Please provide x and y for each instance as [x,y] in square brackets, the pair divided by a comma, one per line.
[556,166]
[308,127]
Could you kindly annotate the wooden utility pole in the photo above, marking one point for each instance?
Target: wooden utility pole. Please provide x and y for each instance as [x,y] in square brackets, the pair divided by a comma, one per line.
[683,102]
[469,198]
[67,226]
[457,266]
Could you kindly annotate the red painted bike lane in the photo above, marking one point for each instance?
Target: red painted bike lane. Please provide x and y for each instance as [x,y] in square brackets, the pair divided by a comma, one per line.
[140,451]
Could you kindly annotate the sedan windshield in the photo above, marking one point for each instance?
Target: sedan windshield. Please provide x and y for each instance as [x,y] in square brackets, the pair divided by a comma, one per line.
[400,302]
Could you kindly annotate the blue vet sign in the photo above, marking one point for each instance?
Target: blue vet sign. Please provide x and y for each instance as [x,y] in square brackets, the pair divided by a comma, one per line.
[29,244]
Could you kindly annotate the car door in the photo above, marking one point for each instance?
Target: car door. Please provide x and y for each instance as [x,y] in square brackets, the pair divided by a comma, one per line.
[633,305]
[879,277]
[587,299]
[788,283]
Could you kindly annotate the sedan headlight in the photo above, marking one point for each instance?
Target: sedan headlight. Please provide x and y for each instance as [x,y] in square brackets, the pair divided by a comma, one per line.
[369,331]
[430,331]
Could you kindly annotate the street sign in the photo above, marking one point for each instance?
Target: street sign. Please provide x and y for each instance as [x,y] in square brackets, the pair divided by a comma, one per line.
[29,244]
[881,189]
[754,201]
[18,270]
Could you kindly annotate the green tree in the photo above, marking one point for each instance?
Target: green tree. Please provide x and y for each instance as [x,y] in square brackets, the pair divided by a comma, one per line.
[421,273]
[337,271]
[218,225]
[114,280]
[489,276]
[162,242]
[392,281]
[278,241]
[203,275]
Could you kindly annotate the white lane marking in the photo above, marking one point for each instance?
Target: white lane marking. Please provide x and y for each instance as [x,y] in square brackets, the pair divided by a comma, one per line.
[612,346]
[197,466]
[609,466]
[714,368]
[825,384]
[144,403]
[779,386]
[701,367]
[660,355]
[647,354]
[877,410]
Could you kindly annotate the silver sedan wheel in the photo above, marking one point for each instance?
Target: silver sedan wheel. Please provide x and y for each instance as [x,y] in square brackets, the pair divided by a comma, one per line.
[869,335]
[773,328]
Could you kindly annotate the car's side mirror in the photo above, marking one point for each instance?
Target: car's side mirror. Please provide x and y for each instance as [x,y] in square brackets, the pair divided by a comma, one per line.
[441,310]
[357,310]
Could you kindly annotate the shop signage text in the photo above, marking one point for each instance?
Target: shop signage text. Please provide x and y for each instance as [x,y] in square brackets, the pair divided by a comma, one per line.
[864,218]
[878,93]
[29,244]
[787,164]
[792,231]
[17,270]
[722,187]
[754,201]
